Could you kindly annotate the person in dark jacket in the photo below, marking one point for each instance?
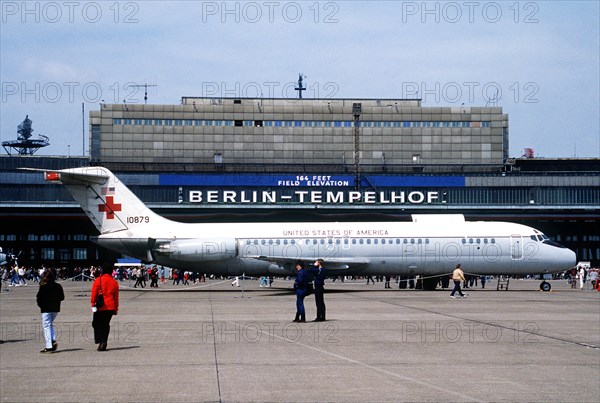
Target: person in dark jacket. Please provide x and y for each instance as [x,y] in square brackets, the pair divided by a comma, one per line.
[301,287]
[319,273]
[48,298]
[109,288]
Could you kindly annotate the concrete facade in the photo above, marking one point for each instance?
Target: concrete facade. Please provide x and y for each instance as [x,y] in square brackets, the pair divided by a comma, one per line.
[298,131]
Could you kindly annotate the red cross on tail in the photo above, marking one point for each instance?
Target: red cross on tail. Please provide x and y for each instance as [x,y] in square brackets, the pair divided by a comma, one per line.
[109,207]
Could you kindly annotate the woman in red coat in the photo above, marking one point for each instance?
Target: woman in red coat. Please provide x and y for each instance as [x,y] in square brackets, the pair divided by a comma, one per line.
[109,288]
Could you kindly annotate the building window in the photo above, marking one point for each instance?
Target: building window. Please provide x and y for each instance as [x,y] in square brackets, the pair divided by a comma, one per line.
[47,253]
[79,253]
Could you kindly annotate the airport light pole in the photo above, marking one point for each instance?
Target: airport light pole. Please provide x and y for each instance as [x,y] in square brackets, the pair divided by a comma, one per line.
[356,110]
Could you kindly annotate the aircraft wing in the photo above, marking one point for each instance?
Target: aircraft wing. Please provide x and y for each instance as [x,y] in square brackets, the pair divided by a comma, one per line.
[346,263]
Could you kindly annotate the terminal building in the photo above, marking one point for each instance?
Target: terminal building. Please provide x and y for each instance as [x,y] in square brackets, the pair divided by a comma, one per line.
[250,159]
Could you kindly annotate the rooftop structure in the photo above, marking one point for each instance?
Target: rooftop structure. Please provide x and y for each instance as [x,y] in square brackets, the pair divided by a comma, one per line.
[24,144]
[257,131]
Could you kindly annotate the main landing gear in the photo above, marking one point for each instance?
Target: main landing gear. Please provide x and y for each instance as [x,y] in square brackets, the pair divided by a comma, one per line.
[545,286]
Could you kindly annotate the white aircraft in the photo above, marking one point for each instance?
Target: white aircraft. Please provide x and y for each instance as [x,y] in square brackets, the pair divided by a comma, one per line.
[429,246]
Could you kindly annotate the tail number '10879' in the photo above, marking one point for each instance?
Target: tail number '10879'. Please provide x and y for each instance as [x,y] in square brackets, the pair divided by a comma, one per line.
[138,219]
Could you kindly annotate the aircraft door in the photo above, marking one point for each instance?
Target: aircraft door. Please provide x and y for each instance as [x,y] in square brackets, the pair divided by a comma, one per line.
[516,247]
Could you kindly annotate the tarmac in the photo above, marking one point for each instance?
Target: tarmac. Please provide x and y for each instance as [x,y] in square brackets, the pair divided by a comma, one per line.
[217,343]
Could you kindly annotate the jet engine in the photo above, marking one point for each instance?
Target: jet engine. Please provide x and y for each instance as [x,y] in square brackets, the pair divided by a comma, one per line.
[193,250]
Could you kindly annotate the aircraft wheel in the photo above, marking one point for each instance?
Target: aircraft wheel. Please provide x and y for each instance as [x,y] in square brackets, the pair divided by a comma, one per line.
[545,286]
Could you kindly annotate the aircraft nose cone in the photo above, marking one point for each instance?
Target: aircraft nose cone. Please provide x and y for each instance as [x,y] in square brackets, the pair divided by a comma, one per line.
[569,258]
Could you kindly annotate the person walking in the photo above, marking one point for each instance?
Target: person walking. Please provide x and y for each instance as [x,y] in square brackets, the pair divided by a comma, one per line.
[457,277]
[108,287]
[319,273]
[301,287]
[49,297]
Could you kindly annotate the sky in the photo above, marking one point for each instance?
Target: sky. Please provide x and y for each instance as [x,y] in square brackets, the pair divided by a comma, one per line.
[538,60]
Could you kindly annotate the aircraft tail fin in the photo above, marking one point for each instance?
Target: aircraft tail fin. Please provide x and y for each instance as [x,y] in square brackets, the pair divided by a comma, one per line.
[105,199]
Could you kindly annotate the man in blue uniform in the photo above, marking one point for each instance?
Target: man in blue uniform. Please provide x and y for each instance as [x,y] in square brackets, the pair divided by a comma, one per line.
[301,286]
[319,274]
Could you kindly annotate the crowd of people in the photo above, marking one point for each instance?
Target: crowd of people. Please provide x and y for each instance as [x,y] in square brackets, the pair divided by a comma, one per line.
[17,276]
